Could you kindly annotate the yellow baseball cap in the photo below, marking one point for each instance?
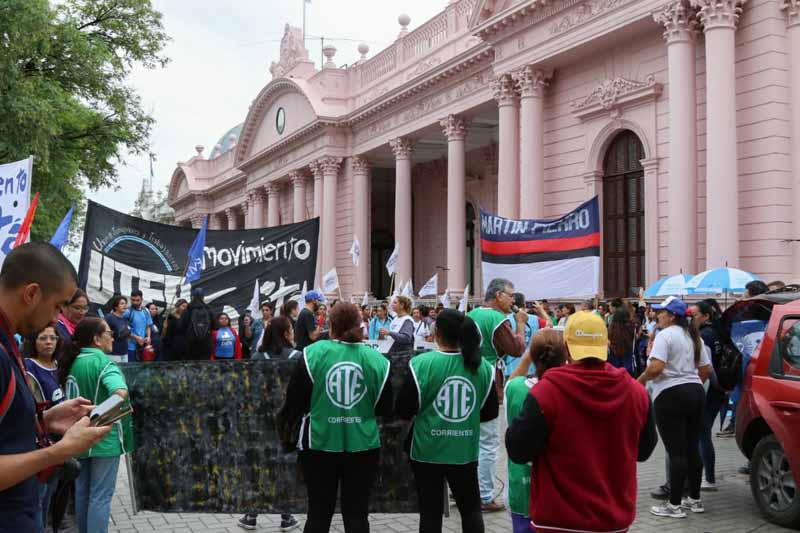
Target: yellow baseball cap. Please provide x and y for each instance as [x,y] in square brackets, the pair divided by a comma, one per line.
[586,335]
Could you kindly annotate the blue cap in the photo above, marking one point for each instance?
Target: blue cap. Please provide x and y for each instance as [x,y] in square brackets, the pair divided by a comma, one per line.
[314,295]
[674,305]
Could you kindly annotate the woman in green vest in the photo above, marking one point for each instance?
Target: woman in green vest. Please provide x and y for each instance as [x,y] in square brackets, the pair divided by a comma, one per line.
[547,351]
[448,393]
[338,389]
[87,371]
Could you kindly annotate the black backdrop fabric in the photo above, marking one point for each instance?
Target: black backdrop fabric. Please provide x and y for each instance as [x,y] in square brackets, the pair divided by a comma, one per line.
[122,253]
[206,440]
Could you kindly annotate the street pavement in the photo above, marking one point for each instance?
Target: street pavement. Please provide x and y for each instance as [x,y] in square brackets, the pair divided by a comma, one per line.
[729,510]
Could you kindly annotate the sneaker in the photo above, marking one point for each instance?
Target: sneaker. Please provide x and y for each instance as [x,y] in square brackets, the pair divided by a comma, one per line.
[695,506]
[661,493]
[492,507]
[668,510]
[727,432]
[247,522]
[288,524]
[707,486]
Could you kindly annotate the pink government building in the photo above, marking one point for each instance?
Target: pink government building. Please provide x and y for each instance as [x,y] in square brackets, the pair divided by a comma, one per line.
[683,116]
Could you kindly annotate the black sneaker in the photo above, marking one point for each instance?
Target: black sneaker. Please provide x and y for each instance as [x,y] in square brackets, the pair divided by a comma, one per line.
[247,522]
[288,524]
[661,493]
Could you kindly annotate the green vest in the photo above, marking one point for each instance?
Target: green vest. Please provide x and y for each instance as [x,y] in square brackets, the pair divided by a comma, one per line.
[519,476]
[348,381]
[447,427]
[95,377]
[487,320]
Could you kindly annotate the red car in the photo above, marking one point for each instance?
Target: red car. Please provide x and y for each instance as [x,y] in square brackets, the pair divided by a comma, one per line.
[768,413]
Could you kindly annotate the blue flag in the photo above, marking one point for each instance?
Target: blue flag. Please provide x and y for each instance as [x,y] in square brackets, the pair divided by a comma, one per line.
[61,236]
[195,265]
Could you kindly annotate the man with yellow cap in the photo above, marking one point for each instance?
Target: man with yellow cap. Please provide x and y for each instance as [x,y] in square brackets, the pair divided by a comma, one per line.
[583,427]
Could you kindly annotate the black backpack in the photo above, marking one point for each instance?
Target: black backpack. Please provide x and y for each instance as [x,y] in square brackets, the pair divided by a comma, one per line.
[727,361]
[200,323]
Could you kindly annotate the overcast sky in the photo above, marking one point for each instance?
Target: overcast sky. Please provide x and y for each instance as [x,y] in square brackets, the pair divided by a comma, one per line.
[220,55]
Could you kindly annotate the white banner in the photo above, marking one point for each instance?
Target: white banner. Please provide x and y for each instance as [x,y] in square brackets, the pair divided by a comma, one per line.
[355,251]
[408,290]
[431,287]
[445,299]
[15,194]
[462,305]
[330,282]
[391,264]
[255,304]
[576,277]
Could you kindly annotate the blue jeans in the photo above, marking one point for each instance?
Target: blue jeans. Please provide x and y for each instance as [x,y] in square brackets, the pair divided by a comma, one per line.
[46,491]
[487,458]
[521,524]
[93,491]
[715,399]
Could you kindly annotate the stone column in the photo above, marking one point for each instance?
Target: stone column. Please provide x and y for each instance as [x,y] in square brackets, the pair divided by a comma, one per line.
[792,9]
[197,220]
[257,208]
[361,220]
[455,129]
[402,149]
[330,172]
[720,18]
[214,222]
[245,207]
[233,223]
[316,170]
[678,19]
[299,197]
[508,137]
[531,83]
[273,205]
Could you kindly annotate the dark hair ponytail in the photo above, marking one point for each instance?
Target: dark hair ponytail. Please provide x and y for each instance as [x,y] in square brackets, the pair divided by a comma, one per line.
[83,337]
[456,329]
[693,333]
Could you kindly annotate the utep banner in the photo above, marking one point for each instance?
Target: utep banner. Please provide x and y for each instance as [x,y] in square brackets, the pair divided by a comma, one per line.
[123,253]
[15,192]
[557,258]
[206,440]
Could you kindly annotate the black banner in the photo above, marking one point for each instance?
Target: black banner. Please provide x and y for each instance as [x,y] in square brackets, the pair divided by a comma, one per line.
[123,253]
[206,440]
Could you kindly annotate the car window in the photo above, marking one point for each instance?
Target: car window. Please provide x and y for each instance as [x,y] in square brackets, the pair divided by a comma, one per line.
[790,346]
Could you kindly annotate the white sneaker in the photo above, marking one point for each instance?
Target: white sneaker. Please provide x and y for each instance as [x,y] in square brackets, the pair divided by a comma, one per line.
[695,506]
[707,486]
[668,510]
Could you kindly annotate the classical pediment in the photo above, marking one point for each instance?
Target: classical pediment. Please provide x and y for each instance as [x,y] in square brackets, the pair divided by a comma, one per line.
[487,9]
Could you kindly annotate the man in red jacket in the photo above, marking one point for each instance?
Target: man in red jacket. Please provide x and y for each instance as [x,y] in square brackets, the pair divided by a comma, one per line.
[583,427]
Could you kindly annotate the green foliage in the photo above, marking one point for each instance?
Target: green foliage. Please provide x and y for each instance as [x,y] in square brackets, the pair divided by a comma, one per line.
[64,95]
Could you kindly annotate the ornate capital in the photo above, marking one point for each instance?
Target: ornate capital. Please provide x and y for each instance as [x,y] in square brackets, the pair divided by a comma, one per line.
[679,20]
[230,213]
[402,147]
[330,165]
[505,90]
[316,169]
[531,81]
[297,178]
[454,127]
[718,13]
[244,206]
[792,8]
[273,190]
[197,220]
[256,196]
[359,164]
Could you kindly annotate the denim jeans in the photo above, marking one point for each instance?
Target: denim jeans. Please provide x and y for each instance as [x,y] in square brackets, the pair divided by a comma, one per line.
[487,458]
[715,399]
[93,491]
[46,491]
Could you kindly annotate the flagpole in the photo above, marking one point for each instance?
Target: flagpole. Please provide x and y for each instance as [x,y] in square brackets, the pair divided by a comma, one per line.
[391,286]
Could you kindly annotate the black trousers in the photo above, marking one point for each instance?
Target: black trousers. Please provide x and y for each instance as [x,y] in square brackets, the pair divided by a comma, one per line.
[463,481]
[679,417]
[323,472]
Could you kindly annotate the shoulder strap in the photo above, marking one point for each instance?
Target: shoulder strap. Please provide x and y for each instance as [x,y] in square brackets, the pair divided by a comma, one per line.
[5,404]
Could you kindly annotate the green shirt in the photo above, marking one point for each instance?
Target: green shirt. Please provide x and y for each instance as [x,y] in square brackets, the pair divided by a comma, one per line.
[348,381]
[488,320]
[519,476]
[447,426]
[95,377]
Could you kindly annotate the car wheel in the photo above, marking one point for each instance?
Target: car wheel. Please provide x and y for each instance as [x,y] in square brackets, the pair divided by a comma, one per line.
[773,485]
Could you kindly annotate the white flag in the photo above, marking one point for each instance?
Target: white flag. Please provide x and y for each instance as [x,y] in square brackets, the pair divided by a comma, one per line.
[355,251]
[254,301]
[408,290]
[462,305]
[330,282]
[365,301]
[445,299]
[391,264]
[431,287]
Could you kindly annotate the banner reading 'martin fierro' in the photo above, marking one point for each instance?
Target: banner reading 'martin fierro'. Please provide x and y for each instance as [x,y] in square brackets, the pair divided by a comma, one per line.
[123,253]
[555,258]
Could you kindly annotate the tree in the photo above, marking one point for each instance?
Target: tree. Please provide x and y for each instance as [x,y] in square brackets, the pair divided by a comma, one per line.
[64,95]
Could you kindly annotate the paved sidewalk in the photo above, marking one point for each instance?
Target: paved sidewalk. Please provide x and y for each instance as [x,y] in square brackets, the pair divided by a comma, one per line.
[730,510]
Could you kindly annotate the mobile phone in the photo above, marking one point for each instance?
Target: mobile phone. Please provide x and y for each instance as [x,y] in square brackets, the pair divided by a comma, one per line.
[109,411]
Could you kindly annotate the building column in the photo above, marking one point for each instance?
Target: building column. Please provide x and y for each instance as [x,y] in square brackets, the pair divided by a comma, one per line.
[508,138]
[402,149]
[233,224]
[257,208]
[361,220]
[720,18]
[316,170]
[273,205]
[298,181]
[455,129]
[197,220]
[792,8]
[532,83]
[678,19]
[330,172]
[245,207]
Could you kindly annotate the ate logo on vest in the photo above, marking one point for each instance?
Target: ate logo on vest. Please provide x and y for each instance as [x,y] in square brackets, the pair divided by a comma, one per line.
[72,390]
[344,384]
[456,400]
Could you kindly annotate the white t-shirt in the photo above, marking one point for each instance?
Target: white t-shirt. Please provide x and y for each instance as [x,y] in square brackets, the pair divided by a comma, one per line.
[675,348]
[421,330]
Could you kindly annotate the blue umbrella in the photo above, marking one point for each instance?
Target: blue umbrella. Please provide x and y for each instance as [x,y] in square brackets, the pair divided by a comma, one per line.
[719,280]
[669,286]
